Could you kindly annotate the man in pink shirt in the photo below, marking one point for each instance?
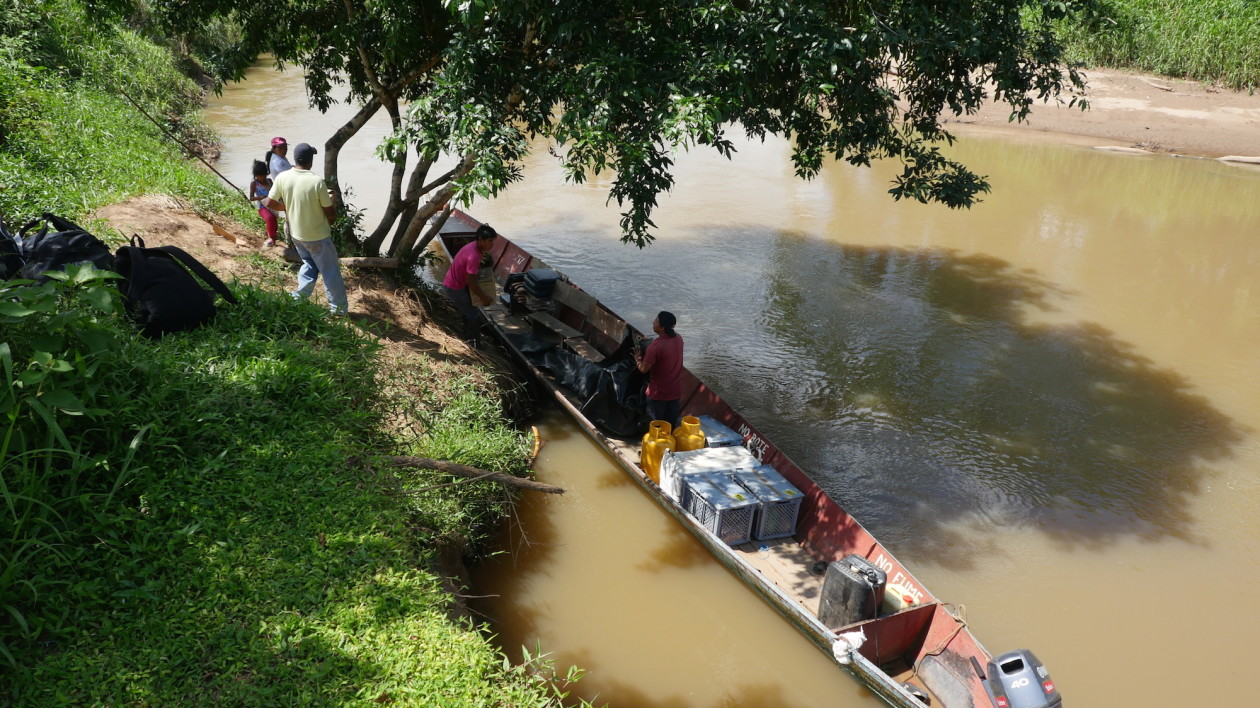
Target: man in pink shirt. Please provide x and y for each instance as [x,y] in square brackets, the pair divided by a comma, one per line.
[663,364]
[461,286]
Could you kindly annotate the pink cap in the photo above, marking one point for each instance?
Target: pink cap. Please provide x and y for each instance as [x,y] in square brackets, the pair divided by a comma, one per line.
[278,141]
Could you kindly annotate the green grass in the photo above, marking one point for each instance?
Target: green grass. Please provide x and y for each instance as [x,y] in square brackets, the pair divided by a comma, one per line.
[70,142]
[206,520]
[1215,41]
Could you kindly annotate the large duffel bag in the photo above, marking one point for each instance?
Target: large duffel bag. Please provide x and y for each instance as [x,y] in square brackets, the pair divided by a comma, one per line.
[58,243]
[541,282]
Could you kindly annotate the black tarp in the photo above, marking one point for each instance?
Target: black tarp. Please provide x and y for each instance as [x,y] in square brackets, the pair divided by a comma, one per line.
[609,393]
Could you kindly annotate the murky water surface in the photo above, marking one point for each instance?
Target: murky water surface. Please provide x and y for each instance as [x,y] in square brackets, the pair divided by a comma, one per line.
[1046,406]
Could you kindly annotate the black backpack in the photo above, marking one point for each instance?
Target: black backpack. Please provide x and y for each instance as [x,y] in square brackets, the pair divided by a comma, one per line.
[57,244]
[161,295]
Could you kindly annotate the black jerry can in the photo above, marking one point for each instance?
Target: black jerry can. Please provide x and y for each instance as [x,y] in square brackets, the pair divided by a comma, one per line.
[852,591]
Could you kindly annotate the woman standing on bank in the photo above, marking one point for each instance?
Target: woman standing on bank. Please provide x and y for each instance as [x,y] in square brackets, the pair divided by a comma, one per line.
[276,158]
[278,161]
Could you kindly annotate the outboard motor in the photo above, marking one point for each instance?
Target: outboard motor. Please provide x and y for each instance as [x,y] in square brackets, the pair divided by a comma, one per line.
[1017,679]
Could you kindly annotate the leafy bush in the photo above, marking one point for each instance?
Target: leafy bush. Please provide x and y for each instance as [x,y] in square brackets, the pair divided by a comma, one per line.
[64,356]
[70,142]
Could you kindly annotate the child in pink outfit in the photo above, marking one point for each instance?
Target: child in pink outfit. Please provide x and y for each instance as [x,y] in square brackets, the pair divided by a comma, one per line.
[259,188]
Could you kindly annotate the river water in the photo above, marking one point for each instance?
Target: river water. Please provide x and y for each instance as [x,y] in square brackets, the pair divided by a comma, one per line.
[1045,406]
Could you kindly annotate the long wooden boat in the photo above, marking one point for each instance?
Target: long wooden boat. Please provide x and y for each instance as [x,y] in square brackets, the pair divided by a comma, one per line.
[923,653]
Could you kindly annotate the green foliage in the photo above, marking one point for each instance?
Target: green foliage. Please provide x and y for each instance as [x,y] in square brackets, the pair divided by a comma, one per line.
[69,142]
[200,516]
[453,416]
[64,354]
[72,149]
[347,230]
[1207,40]
[329,39]
[620,86]
[621,89]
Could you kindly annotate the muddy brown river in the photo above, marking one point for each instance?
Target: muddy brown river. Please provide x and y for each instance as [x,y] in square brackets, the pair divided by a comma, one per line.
[1046,406]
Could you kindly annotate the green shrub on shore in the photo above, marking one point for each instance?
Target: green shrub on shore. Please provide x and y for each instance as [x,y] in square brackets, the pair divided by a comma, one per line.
[1215,41]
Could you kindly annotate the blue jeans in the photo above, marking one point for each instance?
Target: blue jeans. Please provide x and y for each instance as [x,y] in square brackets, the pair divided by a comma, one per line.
[462,300]
[320,258]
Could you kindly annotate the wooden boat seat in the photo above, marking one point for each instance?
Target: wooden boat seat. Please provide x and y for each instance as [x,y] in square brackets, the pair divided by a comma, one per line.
[583,348]
[573,340]
[598,318]
[550,322]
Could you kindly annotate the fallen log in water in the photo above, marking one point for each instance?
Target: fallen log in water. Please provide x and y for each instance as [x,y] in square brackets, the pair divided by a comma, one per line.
[473,473]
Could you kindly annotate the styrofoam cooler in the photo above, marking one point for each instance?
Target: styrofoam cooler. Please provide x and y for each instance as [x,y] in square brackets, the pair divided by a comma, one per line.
[710,500]
[709,459]
[718,435]
[780,501]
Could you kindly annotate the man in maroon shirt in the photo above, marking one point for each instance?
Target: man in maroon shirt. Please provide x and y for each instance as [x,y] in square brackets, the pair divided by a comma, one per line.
[461,287]
[663,364]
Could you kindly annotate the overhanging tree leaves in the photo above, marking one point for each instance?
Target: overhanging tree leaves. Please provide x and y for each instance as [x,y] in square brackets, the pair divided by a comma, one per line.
[620,85]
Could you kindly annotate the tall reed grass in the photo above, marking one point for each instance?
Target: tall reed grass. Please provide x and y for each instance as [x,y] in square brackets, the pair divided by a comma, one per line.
[1215,41]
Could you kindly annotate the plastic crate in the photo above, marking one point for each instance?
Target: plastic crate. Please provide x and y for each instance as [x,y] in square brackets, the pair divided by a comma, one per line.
[675,465]
[780,501]
[718,435]
[729,519]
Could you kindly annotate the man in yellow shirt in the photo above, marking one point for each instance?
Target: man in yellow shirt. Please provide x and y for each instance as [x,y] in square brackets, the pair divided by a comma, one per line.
[304,196]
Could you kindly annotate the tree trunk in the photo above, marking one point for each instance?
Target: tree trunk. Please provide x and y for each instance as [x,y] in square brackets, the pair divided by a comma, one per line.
[332,147]
[407,208]
[435,229]
[407,243]
[395,203]
[465,471]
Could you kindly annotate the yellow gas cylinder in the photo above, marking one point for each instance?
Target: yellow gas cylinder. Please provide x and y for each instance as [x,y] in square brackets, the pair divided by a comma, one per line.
[689,436]
[657,440]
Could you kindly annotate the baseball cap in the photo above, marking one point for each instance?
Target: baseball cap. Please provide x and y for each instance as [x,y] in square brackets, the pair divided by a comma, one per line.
[275,142]
[304,152]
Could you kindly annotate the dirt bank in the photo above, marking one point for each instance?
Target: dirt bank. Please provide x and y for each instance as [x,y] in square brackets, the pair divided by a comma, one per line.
[402,316]
[1129,110]
[405,321]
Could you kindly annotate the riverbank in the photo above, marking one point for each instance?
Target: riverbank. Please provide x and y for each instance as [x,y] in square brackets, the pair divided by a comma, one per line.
[1138,111]
[249,544]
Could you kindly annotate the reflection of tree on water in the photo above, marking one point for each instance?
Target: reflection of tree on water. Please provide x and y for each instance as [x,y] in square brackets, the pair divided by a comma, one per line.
[925,397]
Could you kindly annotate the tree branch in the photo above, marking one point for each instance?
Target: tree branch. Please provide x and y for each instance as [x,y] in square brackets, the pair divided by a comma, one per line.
[472,472]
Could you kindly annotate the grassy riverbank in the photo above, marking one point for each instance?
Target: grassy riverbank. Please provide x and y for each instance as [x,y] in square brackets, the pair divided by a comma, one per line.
[1214,41]
[205,519]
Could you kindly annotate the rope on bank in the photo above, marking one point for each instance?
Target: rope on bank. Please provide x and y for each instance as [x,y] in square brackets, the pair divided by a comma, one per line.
[177,141]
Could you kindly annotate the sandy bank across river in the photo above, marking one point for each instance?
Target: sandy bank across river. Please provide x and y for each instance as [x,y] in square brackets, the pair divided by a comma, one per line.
[1154,114]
